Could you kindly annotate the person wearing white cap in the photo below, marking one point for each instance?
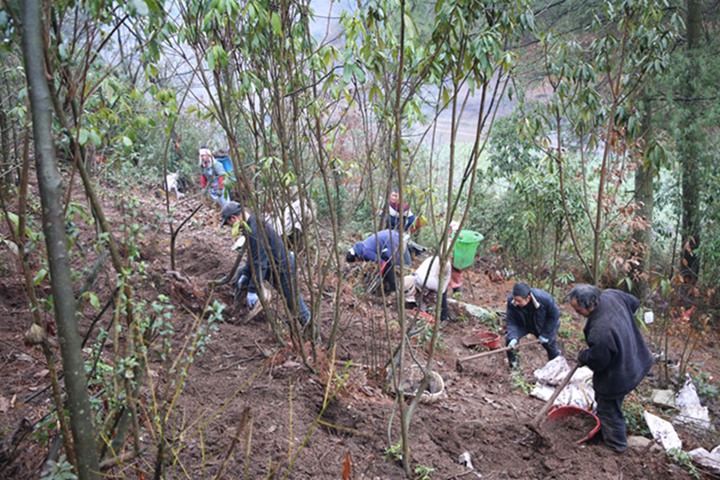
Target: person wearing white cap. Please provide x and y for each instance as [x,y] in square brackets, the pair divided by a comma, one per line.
[212,176]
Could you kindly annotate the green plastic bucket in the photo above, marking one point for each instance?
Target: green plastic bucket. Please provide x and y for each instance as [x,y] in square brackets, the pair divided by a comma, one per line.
[465,248]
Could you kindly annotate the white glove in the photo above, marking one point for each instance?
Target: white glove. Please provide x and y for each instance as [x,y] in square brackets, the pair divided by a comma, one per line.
[239,243]
[513,342]
[252,299]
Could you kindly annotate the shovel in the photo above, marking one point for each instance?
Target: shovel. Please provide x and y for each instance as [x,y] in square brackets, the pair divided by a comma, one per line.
[459,361]
[536,422]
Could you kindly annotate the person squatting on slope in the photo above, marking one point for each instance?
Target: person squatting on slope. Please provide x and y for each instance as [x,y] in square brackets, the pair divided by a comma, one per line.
[268,260]
[616,354]
[427,277]
[212,176]
[531,310]
[383,247]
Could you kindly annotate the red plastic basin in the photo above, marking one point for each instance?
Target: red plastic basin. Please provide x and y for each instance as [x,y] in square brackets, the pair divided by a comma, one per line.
[562,413]
[490,340]
[482,337]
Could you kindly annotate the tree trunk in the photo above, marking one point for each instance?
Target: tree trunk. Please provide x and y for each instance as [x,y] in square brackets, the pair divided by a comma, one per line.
[50,184]
[644,198]
[5,160]
[690,153]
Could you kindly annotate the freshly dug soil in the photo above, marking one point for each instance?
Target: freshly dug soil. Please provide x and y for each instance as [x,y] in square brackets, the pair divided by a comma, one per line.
[249,393]
[569,430]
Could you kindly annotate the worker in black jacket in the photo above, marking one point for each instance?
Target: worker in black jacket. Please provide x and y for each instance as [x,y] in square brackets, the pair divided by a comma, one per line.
[616,354]
[268,260]
[531,311]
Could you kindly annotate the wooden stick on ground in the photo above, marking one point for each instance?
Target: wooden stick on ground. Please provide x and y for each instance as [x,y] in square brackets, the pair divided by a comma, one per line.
[459,361]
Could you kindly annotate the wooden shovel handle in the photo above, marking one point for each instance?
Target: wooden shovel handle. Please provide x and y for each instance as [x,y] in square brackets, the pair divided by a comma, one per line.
[538,418]
[497,350]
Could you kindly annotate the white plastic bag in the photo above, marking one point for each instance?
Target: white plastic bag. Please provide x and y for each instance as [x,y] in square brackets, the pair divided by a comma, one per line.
[578,392]
[691,410]
[663,431]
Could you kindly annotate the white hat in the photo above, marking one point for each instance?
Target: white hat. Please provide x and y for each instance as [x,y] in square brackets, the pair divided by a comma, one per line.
[204,151]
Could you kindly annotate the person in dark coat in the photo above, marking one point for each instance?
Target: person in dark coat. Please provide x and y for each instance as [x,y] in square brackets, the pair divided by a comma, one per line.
[268,260]
[616,354]
[383,248]
[531,310]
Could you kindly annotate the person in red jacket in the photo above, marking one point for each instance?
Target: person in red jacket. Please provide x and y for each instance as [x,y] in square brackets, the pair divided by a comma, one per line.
[396,217]
[212,176]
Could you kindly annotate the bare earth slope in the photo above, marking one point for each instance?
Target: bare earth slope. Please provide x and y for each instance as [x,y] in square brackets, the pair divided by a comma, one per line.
[252,409]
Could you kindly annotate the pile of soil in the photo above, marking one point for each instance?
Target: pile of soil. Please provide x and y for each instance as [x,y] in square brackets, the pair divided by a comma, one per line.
[571,429]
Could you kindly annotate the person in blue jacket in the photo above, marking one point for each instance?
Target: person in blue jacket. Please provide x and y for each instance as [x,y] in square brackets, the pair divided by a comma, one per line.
[383,247]
[531,310]
[616,354]
[268,260]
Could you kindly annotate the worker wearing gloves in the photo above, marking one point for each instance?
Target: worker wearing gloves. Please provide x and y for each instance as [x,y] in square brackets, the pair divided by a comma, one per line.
[616,354]
[268,260]
[531,310]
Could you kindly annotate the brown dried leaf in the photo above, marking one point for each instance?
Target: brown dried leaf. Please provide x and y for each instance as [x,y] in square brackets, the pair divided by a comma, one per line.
[347,467]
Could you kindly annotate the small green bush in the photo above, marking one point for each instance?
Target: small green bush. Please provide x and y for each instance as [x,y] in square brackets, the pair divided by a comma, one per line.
[634,420]
[519,382]
[423,473]
[705,389]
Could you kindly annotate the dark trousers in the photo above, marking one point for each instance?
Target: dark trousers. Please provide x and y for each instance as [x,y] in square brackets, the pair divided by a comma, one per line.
[291,295]
[285,282]
[387,269]
[551,348]
[612,422]
[444,315]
